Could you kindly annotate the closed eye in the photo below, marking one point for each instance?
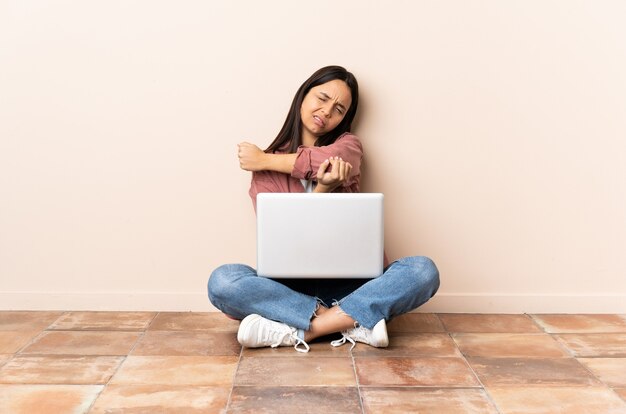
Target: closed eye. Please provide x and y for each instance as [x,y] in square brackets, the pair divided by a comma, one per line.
[323,97]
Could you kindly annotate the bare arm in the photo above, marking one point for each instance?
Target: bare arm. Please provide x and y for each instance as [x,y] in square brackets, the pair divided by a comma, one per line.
[252,158]
[304,164]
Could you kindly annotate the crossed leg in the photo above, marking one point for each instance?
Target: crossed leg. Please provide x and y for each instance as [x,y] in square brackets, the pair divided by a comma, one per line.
[327,321]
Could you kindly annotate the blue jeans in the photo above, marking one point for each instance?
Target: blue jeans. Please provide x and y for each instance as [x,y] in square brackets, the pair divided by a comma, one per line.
[236,290]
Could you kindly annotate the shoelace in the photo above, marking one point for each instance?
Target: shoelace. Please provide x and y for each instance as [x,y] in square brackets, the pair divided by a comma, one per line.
[291,333]
[339,342]
[358,333]
[301,342]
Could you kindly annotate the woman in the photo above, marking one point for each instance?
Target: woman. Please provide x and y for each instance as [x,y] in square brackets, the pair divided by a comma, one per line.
[315,152]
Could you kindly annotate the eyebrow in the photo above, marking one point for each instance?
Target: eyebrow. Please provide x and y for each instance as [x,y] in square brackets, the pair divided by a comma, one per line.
[328,97]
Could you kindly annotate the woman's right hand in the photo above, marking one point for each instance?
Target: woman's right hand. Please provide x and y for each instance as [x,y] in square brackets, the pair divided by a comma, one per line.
[332,173]
[251,157]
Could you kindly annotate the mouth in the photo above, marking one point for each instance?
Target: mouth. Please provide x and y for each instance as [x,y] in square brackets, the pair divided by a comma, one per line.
[319,121]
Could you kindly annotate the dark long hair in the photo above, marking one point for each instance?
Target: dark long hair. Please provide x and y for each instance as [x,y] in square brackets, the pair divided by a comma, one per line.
[290,136]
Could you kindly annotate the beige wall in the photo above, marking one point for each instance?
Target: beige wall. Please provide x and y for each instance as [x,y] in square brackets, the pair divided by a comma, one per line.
[496,130]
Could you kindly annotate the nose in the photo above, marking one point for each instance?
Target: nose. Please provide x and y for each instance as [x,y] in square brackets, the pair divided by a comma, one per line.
[327,110]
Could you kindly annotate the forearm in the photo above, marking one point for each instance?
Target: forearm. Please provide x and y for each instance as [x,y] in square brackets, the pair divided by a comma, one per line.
[252,158]
[282,163]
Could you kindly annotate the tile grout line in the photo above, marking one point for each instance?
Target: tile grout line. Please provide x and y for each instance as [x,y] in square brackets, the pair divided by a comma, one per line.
[562,346]
[358,384]
[463,356]
[531,317]
[124,357]
[32,341]
[443,326]
[556,337]
[616,394]
[232,385]
[156,314]
[49,328]
[144,331]
[37,337]
[570,354]
[593,375]
[482,386]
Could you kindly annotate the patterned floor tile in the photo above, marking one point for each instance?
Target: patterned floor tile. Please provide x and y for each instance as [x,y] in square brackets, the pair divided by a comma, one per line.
[621,392]
[184,362]
[488,323]
[581,323]
[150,399]
[47,399]
[187,343]
[13,341]
[59,370]
[399,371]
[421,344]
[104,321]
[83,343]
[4,359]
[415,323]
[290,399]
[177,370]
[295,371]
[611,371]
[425,400]
[193,321]
[27,320]
[556,400]
[595,345]
[318,349]
[509,345]
[531,371]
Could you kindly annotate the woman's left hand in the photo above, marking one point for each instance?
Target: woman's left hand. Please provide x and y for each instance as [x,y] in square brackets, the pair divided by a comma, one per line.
[339,172]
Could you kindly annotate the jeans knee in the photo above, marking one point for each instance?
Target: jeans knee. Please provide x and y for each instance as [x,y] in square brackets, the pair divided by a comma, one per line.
[220,282]
[431,274]
[426,273]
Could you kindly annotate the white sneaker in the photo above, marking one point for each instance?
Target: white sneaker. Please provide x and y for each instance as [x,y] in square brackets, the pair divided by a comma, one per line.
[256,331]
[376,336]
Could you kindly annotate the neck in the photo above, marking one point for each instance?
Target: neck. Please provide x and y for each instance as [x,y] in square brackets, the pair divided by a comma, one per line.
[308,139]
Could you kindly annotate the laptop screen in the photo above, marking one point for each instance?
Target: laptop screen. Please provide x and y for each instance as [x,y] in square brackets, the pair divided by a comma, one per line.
[333,235]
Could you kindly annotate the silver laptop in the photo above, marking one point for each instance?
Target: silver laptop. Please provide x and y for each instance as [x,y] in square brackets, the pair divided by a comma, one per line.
[336,235]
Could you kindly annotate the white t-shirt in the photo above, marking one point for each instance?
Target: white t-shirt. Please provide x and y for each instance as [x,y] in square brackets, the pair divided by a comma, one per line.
[308,185]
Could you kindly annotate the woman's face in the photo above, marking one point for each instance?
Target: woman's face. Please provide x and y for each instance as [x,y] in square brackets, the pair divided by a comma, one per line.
[323,108]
